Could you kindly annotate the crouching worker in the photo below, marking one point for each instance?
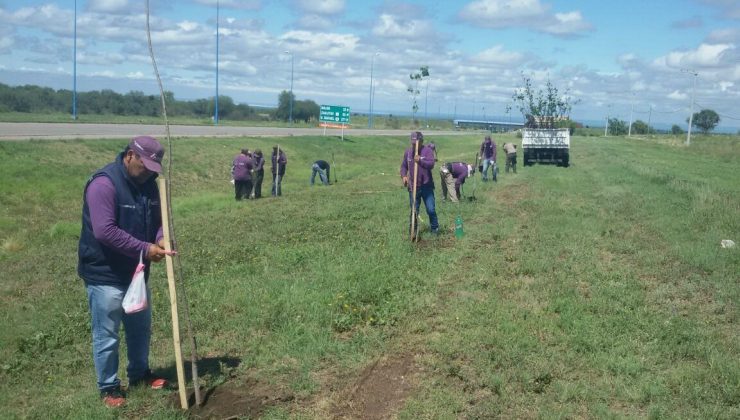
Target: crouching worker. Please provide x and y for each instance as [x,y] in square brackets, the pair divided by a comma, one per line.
[323,169]
[121,223]
[453,176]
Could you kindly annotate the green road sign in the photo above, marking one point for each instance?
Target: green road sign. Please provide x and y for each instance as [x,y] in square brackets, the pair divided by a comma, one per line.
[334,114]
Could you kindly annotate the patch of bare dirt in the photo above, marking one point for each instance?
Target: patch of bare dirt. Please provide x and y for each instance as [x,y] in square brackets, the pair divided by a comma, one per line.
[380,391]
[233,401]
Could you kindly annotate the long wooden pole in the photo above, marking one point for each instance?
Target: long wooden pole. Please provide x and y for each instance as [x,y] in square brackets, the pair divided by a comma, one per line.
[413,194]
[277,170]
[173,293]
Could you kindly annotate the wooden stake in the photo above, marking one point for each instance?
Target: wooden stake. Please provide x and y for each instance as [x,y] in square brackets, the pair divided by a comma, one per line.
[277,170]
[413,194]
[173,293]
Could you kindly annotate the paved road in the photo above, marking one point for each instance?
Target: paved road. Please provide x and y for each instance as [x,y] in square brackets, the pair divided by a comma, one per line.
[60,131]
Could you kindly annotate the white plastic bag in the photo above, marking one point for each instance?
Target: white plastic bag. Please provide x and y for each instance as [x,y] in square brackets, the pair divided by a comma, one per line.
[135,298]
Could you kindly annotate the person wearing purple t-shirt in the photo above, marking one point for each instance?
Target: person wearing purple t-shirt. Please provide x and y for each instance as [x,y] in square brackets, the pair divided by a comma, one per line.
[424,180]
[453,176]
[488,155]
[241,171]
[121,225]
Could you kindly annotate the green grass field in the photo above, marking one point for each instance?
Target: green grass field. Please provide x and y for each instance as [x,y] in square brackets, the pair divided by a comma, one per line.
[595,291]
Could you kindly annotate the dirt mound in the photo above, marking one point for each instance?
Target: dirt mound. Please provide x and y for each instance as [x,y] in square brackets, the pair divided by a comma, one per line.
[231,401]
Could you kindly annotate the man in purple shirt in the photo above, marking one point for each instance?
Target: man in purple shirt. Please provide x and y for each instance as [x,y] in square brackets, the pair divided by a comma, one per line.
[424,161]
[488,155]
[241,171]
[121,225]
[453,176]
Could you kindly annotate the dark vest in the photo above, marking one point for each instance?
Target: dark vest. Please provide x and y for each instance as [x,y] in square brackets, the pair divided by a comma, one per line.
[137,212]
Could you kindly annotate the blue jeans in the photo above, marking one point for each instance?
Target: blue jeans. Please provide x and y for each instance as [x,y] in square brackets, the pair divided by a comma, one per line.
[425,192]
[489,163]
[107,313]
[322,174]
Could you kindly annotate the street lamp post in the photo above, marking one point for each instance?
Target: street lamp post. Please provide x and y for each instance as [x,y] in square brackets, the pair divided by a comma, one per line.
[290,117]
[632,108]
[74,82]
[691,108]
[426,102]
[370,113]
[215,111]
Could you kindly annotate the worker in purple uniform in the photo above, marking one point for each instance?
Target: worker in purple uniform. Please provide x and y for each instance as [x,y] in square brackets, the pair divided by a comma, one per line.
[241,172]
[259,172]
[424,180]
[488,156]
[121,224]
[453,176]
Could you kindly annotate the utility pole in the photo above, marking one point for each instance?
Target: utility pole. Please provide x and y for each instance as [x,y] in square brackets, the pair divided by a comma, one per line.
[650,116]
[632,108]
[691,108]
[426,102]
[74,83]
[215,113]
[290,118]
[370,107]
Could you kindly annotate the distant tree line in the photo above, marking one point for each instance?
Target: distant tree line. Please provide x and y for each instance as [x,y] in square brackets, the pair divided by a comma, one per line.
[37,99]
[705,120]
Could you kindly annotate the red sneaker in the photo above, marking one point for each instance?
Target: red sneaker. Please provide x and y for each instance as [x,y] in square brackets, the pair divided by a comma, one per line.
[113,398]
[150,380]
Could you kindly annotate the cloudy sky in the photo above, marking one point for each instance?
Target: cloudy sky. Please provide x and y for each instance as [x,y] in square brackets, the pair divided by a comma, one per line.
[613,56]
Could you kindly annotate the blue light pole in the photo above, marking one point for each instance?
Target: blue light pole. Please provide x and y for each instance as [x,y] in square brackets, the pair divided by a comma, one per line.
[74,82]
[215,114]
[370,114]
[290,118]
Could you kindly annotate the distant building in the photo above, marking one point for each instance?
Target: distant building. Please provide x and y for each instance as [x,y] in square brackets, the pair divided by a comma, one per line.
[493,126]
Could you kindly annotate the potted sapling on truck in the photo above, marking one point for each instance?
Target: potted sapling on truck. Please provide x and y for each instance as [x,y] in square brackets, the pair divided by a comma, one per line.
[547,128]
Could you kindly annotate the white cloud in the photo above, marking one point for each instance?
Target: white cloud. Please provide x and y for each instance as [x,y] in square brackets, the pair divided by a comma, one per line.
[389,26]
[502,13]
[48,17]
[317,44]
[706,55]
[233,4]
[727,35]
[567,24]
[108,6]
[728,9]
[498,56]
[724,86]
[497,14]
[104,73]
[6,44]
[677,96]
[100,58]
[324,7]
[312,21]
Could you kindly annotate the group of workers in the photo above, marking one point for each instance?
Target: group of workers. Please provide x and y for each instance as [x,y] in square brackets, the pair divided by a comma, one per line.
[418,162]
[122,228]
[248,172]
